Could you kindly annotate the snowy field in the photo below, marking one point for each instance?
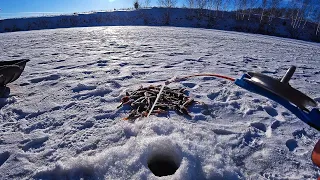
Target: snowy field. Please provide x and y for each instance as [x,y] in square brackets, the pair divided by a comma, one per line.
[60,120]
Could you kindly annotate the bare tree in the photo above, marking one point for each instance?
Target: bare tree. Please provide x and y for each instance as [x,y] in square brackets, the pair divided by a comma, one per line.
[243,7]
[147,3]
[191,4]
[201,4]
[306,11]
[251,4]
[318,28]
[317,18]
[263,6]
[296,13]
[274,5]
[167,3]
[237,7]
[217,5]
[302,9]
[210,5]
[225,6]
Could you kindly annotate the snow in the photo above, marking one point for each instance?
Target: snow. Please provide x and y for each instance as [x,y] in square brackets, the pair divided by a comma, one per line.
[178,17]
[60,119]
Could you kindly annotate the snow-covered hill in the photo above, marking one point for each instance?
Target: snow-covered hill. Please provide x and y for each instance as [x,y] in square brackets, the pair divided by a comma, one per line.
[178,17]
[60,119]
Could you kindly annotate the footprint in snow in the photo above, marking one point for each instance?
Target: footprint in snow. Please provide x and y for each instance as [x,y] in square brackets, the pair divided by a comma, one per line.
[199,117]
[102,63]
[94,93]
[299,133]
[275,124]
[208,78]
[122,78]
[84,125]
[24,84]
[35,143]
[59,67]
[213,95]
[305,67]
[291,144]
[82,87]
[222,95]
[251,138]
[46,78]
[4,157]
[87,72]
[259,125]
[271,111]
[114,84]
[249,59]
[81,172]
[168,66]
[113,72]
[87,147]
[122,46]
[223,132]
[176,54]
[15,56]
[123,64]
[189,84]
[235,105]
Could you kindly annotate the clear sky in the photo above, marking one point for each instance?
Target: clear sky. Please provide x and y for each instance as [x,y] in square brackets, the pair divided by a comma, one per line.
[21,8]
[25,8]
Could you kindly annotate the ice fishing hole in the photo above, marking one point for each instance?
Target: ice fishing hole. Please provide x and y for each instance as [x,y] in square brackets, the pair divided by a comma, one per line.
[165,158]
[163,165]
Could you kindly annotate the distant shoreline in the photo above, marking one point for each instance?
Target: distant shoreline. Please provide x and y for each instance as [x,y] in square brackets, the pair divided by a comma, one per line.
[178,17]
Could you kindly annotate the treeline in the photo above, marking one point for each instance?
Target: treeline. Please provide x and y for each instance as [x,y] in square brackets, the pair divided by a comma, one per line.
[299,11]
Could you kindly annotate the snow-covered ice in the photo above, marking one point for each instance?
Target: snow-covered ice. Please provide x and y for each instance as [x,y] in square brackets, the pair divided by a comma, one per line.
[60,119]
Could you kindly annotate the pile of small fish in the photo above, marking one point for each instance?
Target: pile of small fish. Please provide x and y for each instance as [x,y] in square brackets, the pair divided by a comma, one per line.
[142,100]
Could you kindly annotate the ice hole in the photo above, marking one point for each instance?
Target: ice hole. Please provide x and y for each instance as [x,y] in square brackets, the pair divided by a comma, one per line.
[162,165]
[164,161]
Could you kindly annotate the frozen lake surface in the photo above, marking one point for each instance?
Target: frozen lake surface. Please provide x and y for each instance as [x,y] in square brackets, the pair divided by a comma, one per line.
[60,120]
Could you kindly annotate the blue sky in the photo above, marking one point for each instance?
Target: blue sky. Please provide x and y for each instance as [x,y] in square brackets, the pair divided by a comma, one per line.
[25,8]
[21,8]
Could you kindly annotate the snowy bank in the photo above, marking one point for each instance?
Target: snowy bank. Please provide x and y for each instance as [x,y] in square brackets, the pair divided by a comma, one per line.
[179,17]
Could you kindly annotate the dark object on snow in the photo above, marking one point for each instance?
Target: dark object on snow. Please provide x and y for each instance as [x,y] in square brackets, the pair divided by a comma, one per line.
[10,71]
[282,88]
[141,101]
[281,92]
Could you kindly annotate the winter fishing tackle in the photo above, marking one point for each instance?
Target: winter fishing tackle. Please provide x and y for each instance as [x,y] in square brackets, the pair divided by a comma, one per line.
[278,90]
[281,92]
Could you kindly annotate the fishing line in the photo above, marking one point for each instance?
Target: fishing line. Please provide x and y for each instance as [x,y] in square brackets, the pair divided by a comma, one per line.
[155,102]
[210,74]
